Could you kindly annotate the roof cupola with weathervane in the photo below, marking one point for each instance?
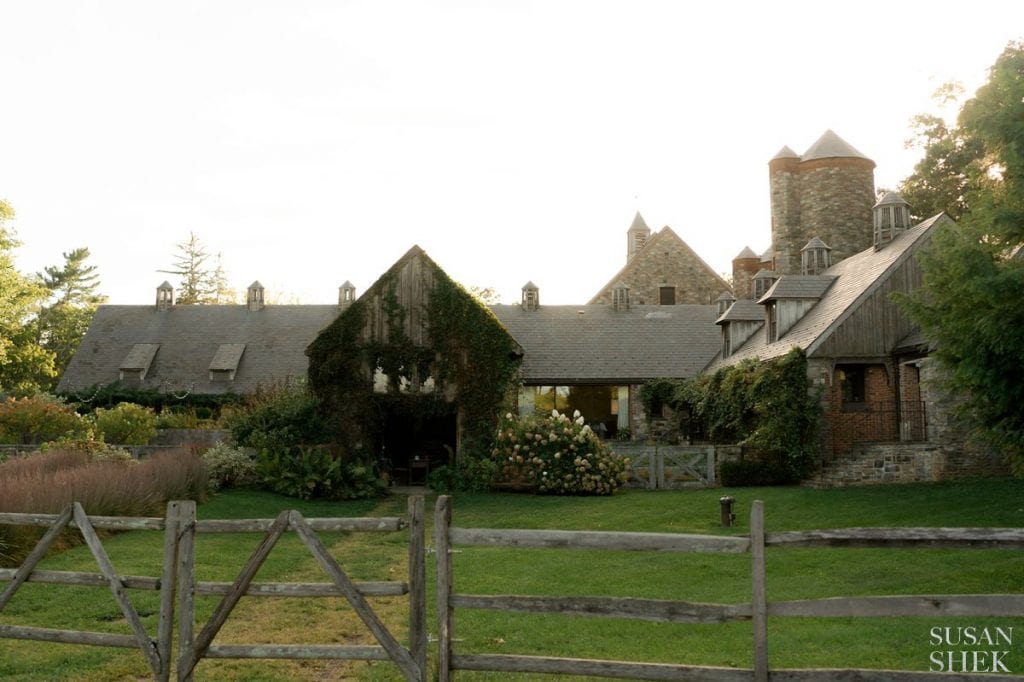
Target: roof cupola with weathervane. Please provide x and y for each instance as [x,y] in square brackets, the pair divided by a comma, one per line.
[346,294]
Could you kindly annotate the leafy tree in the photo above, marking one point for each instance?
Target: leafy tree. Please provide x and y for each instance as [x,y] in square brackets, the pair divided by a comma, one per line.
[970,301]
[73,300]
[23,363]
[199,283]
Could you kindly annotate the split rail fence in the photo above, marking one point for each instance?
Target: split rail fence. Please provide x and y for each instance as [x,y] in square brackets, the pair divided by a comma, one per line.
[757,612]
[177,583]
[178,588]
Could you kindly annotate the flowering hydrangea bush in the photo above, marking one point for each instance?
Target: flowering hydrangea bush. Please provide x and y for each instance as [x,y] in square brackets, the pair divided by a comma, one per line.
[557,455]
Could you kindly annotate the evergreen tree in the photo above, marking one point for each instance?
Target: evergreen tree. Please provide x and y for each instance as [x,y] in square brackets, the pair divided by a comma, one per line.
[24,365]
[73,300]
[197,280]
[970,301]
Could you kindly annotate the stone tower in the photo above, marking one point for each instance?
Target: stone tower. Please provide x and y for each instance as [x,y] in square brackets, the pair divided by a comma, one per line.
[827,193]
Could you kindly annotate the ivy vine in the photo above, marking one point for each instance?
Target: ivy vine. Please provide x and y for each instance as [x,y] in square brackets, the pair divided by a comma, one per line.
[768,406]
[471,358]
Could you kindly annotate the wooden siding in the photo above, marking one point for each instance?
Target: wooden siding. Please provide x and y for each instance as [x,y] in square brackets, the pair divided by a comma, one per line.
[413,284]
[875,327]
[790,311]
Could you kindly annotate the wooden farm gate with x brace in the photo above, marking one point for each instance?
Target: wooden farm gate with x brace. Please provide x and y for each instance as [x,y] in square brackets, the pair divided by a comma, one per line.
[178,576]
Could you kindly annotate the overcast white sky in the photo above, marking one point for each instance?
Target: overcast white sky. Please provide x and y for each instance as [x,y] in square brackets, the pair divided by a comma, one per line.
[313,142]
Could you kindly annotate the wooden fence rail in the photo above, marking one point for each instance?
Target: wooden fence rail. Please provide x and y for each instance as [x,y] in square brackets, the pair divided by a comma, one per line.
[757,612]
[178,579]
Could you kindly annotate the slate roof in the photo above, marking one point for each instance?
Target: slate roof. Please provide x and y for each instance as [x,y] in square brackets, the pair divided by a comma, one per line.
[596,343]
[798,286]
[743,310]
[263,347]
[829,146]
[856,278]
[638,260]
[747,252]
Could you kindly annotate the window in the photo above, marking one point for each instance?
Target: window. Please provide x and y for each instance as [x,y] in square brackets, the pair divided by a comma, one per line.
[667,295]
[726,345]
[851,379]
[773,321]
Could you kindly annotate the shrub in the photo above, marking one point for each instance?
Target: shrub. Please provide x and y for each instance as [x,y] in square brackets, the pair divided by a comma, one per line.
[314,472]
[469,475]
[278,420]
[553,454]
[177,418]
[39,419]
[229,467]
[46,482]
[755,473]
[126,424]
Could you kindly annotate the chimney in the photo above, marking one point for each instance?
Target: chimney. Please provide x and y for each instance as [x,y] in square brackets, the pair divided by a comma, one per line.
[165,296]
[254,297]
[346,294]
[531,296]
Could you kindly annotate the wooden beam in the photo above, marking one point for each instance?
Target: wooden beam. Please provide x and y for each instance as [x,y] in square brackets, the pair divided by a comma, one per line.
[597,668]
[581,539]
[445,613]
[610,607]
[759,597]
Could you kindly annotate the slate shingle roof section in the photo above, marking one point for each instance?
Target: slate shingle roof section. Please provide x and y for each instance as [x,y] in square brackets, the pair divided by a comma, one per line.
[830,146]
[227,357]
[140,357]
[597,344]
[856,278]
[798,286]
[189,338]
[743,310]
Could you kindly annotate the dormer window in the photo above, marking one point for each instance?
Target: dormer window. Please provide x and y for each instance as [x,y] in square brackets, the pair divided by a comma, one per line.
[135,366]
[726,341]
[225,362]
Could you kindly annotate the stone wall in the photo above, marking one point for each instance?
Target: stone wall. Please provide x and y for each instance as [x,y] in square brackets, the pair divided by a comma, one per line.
[909,463]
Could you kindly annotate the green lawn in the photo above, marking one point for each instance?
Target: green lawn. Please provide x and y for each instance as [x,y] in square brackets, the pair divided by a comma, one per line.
[792,574]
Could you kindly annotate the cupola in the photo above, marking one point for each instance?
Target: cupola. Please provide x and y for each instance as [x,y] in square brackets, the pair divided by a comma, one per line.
[763,281]
[637,236]
[815,257]
[346,294]
[892,217]
[165,296]
[531,296]
[254,297]
[724,301]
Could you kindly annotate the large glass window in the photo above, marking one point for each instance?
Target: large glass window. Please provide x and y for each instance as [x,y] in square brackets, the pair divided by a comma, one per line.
[604,407]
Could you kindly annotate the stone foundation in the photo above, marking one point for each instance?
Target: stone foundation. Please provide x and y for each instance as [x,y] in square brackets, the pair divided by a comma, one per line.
[909,463]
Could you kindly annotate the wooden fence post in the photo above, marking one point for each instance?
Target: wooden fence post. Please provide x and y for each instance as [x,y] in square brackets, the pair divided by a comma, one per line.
[168,577]
[442,547]
[186,586]
[710,454]
[759,601]
[417,585]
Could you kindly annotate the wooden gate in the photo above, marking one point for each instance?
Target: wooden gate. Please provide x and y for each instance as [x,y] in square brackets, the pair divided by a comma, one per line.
[660,467]
[156,650]
[412,661]
[178,574]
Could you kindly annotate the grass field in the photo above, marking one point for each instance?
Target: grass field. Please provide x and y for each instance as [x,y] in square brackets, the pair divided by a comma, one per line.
[792,574]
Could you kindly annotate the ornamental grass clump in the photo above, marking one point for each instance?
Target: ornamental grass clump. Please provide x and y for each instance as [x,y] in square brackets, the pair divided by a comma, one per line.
[555,455]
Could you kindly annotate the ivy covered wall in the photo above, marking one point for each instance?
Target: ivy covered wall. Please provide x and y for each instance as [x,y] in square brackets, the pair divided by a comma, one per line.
[415,344]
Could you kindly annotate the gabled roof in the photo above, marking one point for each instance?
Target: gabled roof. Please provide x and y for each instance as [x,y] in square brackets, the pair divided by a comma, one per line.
[638,261]
[856,279]
[596,343]
[747,252]
[192,341]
